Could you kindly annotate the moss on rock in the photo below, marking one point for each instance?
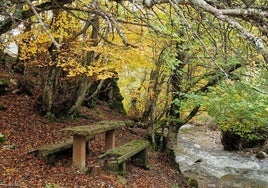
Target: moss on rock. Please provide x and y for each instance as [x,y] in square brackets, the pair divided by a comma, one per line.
[193,183]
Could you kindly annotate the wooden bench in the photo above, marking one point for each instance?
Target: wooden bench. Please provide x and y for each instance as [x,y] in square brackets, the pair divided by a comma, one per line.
[136,151]
[80,133]
[48,152]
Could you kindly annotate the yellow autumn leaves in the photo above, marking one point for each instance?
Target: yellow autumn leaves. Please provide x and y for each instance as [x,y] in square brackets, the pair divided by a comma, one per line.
[34,49]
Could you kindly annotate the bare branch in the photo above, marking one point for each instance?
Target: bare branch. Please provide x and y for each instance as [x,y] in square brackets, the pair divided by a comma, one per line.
[43,24]
[257,41]
[244,12]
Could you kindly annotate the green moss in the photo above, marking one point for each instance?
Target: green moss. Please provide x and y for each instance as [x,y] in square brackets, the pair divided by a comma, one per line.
[193,183]
[2,138]
[141,159]
[171,154]
[3,86]
[122,169]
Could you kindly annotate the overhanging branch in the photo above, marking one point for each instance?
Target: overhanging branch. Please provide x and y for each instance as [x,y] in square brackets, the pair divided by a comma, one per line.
[9,23]
[191,115]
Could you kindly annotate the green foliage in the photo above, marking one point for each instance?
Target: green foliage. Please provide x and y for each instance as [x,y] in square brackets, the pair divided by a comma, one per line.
[193,183]
[2,139]
[3,86]
[74,115]
[239,108]
[50,116]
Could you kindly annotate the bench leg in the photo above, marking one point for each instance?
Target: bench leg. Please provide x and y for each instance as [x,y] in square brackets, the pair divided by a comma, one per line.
[114,167]
[79,152]
[51,159]
[87,147]
[109,140]
[141,159]
[122,169]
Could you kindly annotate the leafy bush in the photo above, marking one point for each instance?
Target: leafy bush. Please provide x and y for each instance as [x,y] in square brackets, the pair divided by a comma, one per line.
[240,109]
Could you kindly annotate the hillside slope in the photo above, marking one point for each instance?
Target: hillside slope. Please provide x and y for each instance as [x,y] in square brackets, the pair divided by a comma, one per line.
[25,131]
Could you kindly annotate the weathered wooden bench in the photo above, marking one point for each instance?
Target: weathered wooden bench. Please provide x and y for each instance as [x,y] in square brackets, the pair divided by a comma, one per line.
[80,133]
[136,151]
[48,152]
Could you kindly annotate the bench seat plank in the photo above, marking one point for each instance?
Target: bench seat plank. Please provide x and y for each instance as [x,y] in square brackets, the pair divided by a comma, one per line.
[135,150]
[46,151]
[56,147]
[128,150]
[96,128]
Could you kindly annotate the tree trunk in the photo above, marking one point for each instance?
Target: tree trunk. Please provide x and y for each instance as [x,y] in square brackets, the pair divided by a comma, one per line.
[47,96]
[156,81]
[90,57]
[81,93]
[177,97]
[51,82]
[172,138]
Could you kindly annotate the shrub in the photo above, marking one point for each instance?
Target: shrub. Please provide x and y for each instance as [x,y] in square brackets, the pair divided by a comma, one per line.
[240,111]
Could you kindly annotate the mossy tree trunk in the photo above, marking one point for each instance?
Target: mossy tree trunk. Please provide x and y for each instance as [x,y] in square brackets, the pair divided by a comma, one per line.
[178,95]
[174,112]
[47,95]
[85,82]
[156,82]
[52,78]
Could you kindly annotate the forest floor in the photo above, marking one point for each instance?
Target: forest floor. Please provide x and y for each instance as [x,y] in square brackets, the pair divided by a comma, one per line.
[25,131]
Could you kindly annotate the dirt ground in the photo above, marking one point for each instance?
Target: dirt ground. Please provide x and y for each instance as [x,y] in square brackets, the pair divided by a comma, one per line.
[25,131]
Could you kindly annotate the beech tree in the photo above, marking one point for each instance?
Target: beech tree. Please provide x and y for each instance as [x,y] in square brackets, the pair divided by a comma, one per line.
[64,45]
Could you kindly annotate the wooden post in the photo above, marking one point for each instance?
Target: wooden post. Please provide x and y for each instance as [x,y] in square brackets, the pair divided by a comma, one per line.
[109,140]
[79,152]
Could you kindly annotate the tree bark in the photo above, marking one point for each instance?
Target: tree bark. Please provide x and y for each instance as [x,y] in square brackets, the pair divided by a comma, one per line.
[90,57]
[178,95]
[47,95]
[52,79]
[174,112]
[172,138]
[81,93]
